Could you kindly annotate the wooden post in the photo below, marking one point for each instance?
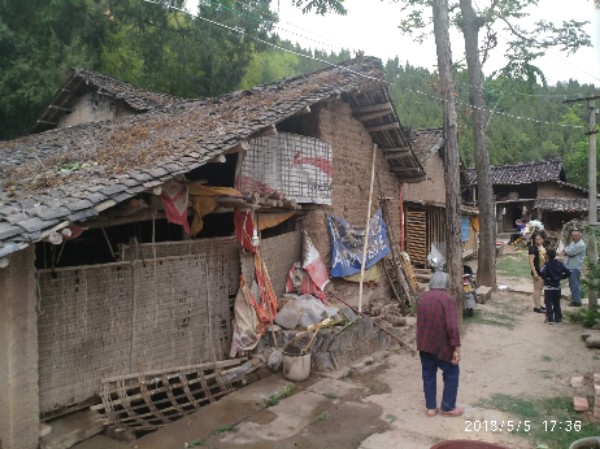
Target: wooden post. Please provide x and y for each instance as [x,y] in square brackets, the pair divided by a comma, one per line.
[366,242]
[592,244]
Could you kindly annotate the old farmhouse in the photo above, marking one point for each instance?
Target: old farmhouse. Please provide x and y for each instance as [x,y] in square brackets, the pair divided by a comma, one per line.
[128,221]
[425,203]
[535,190]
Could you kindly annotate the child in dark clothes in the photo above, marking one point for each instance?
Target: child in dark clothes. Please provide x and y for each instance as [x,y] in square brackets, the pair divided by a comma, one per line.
[552,272]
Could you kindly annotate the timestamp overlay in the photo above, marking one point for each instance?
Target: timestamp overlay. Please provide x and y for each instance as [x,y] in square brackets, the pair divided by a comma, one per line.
[522,425]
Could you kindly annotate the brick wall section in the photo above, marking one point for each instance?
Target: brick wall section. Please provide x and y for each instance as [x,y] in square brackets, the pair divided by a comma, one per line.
[352,152]
[431,189]
[19,405]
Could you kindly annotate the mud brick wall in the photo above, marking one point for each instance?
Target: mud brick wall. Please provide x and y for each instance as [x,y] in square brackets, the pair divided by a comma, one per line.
[433,189]
[551,190]
[358,340]
[332,350]
[115,319]
[19,405]
[352,157]
[279,254]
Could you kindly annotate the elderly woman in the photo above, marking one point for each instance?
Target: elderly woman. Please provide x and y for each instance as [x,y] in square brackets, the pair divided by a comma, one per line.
[438,342]
[537,258]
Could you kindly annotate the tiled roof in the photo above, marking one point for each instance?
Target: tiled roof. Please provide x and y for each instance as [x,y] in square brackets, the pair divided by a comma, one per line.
[562,204]
[82,81]
[523,173]
[427,142]
[51,179]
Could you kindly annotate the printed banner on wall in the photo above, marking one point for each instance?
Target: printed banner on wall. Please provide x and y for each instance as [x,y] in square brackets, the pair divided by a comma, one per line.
[347,244]
[299,167]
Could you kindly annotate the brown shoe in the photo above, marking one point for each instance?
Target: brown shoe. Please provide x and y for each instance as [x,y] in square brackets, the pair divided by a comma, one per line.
[458,411]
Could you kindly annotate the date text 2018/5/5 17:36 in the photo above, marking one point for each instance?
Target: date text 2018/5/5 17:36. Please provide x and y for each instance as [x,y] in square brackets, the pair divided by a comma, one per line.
[517,425]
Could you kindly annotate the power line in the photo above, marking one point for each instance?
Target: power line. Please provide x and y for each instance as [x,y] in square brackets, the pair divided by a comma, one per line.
[380,80]
[338,46]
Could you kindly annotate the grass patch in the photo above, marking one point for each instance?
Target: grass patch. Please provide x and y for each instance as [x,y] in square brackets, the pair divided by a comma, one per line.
[349,374]
[223,429]
[376,387]
[585,317]
[488,318]
[514,266]
[391,418]
[545,374]
[275,398]
[331,396]
[195,443]
[546,358]
[322,417]
[536,411]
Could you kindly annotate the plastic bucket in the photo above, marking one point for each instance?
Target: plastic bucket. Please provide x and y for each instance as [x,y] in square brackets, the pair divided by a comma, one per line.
[466,444]
[296,367]
[586,443]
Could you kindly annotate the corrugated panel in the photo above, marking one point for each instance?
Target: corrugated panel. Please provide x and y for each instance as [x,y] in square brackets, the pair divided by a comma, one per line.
[416,236]
[297,166]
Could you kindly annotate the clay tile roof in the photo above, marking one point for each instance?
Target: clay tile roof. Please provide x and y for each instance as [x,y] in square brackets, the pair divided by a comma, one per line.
[427,142]
[83,80]
[51,179]
[562,204]
[524,173]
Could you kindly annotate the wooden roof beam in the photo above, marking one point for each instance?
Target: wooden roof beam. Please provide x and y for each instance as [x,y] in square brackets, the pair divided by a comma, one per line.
[59,108]
[386,127]
[396,156]
[396,150]
[365,109]
[372,115]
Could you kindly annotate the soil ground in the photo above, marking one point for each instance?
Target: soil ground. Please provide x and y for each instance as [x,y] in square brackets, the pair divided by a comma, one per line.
[506,349]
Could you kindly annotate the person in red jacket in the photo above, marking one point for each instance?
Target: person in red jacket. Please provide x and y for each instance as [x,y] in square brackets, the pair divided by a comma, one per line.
[438,343]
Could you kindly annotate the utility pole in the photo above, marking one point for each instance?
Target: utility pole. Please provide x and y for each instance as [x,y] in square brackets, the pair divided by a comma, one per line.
[592,252]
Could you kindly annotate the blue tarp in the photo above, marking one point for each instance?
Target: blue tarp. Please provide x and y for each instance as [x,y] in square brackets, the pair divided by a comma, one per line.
[347,244]
[465,227]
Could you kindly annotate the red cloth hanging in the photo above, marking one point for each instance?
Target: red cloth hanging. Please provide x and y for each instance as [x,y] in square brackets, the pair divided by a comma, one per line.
[244,229]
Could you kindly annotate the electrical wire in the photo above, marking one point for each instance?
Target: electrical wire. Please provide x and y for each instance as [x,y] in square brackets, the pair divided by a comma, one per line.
[369,77]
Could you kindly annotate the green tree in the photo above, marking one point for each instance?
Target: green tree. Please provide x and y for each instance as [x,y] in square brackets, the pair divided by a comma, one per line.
[525,45]
[39,42]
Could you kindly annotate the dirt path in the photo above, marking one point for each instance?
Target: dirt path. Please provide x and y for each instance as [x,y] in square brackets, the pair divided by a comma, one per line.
[507,349]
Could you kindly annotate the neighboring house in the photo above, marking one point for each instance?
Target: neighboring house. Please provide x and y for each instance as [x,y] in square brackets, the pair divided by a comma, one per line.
[89,96]
[425,203]
[96,283]
[535,190]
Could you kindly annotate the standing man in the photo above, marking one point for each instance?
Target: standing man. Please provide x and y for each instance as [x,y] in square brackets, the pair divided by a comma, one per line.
[537,259]
[438,343]
[575,253]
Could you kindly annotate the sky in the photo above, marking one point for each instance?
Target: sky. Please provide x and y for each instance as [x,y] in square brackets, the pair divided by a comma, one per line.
[372,26]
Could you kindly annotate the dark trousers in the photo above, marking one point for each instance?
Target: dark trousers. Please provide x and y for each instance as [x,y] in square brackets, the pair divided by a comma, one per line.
[450,373]
[552,301]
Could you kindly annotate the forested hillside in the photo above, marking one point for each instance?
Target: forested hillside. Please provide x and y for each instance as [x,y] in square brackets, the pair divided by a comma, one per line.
[172,52]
